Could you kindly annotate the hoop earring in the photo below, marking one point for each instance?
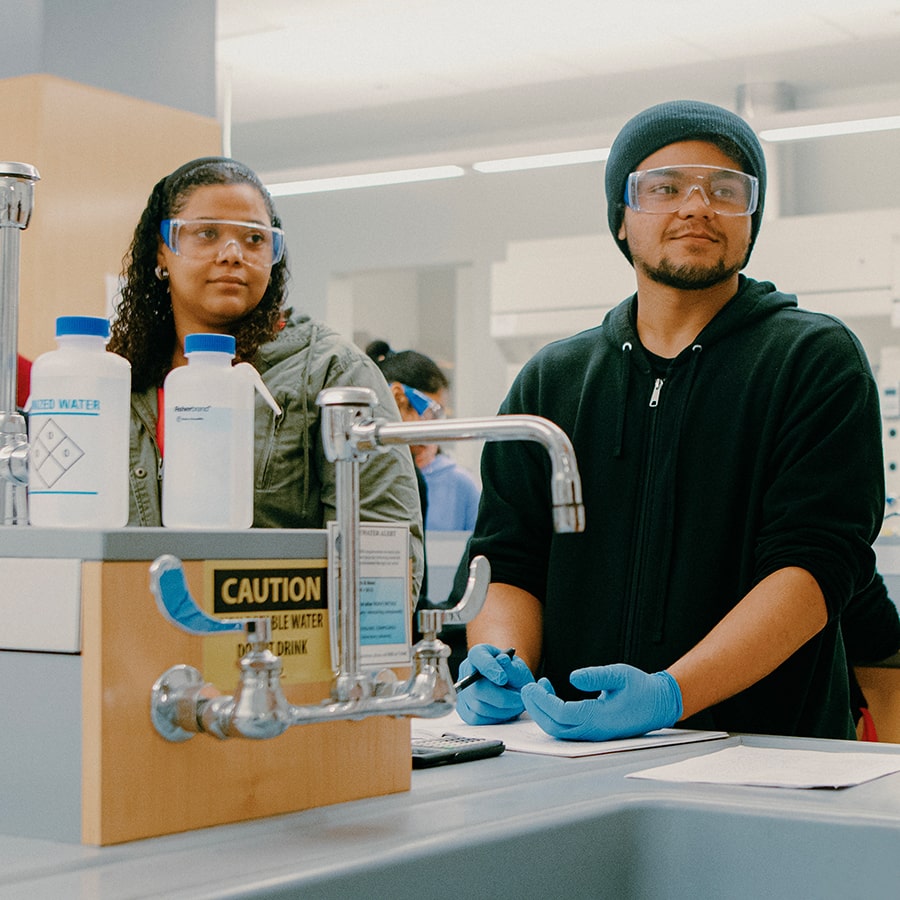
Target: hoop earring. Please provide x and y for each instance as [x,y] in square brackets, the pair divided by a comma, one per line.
[161,273]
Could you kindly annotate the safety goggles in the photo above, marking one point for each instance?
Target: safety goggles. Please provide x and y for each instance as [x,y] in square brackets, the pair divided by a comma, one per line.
[666,190]
[425,407]
[205,239]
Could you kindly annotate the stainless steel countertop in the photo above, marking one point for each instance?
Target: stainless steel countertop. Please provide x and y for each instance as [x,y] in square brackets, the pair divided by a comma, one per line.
[520,826]
[30,542]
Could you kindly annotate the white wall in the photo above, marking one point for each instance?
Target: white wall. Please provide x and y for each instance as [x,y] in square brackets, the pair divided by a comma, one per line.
[462,225]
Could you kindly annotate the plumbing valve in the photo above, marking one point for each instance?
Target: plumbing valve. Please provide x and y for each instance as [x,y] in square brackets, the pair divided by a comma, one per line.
[182,704]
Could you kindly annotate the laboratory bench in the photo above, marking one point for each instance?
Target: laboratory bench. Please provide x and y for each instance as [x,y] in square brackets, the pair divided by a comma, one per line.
[518,825]
[95,804]
[82,643]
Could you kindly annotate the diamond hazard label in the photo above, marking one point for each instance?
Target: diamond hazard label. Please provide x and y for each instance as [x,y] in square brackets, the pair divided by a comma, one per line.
[53,453]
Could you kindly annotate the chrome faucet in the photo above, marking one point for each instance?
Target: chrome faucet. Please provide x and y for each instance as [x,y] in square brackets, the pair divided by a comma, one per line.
[16,202]
[182,704]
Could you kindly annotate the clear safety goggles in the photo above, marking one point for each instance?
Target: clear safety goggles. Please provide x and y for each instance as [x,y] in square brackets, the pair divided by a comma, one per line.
[425,407]
[205,239]
[666,190]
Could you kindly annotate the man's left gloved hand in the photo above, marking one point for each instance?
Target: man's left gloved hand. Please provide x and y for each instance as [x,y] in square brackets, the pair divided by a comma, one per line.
[631,703]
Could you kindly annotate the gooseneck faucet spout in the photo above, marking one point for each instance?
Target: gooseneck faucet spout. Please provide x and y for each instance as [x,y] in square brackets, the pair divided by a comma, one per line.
[565,484]
[182,705]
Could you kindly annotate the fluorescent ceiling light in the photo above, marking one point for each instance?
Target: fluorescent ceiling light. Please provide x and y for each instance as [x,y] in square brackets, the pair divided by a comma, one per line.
[544,160]
[372,179]
[831,129]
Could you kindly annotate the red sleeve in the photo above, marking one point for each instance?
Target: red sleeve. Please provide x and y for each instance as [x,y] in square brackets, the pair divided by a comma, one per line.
[23,381]
[160,420]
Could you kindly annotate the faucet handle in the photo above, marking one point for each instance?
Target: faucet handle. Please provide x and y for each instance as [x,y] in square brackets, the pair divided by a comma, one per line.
[258,632]
[433,620]
[169,587]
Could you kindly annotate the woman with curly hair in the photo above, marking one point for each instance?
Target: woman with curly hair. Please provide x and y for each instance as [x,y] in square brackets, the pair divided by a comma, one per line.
[208,256]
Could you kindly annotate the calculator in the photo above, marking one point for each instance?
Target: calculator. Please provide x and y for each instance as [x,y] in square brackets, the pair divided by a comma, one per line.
[452,748]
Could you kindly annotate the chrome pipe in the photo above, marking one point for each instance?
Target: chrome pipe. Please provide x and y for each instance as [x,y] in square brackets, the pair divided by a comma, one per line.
[16,203]
[565,483]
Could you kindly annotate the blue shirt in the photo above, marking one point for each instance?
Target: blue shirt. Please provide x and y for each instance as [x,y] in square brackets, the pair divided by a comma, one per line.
[453,496]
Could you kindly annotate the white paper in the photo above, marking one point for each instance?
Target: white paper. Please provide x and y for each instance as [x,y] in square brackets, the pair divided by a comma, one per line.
[525,736]
[770,767]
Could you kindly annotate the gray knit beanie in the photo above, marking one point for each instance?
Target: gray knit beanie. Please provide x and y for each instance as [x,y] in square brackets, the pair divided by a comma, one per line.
[668,123]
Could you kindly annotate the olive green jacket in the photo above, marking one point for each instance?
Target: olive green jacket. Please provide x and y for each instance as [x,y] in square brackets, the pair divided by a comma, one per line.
[294,485]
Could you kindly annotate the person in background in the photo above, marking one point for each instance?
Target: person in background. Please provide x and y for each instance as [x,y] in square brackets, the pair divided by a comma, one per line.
[378,351]
[421,389]
[208,256]
[729,445]
[453,493]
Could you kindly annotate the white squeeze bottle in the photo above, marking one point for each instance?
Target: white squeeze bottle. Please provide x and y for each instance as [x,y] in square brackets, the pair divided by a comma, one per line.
[208,437]
[78,425]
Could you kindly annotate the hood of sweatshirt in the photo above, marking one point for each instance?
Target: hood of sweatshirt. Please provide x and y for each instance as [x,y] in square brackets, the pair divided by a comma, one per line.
[299,332]
[753,301]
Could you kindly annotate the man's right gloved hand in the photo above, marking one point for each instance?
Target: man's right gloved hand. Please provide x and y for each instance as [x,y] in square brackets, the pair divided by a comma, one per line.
[495,697]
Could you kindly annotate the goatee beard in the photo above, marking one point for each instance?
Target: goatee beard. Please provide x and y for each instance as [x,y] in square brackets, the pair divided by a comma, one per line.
[687,277]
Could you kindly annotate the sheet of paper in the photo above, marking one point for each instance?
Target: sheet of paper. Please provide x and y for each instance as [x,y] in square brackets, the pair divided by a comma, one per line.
[769,767]
[524,735]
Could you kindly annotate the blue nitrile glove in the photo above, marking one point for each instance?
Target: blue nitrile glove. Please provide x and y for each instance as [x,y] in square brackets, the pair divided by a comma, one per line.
[631,703]
[495,697]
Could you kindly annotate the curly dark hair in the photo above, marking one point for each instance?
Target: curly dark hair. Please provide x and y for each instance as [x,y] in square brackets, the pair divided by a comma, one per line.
[143,327]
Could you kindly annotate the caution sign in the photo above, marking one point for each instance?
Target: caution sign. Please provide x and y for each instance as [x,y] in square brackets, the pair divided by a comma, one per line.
[252,593]
[293,594]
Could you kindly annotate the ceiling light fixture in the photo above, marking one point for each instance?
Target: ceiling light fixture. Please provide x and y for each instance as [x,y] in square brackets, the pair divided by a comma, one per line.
[371,179]
[831,129]
[542,161]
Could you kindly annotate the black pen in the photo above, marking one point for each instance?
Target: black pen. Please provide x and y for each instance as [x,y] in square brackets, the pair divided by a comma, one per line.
[463,683]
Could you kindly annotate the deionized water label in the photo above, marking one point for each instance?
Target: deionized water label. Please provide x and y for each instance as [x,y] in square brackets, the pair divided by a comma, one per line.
[67,439]
[78,436]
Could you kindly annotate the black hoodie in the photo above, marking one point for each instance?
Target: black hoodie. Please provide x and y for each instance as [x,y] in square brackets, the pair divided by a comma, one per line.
[756,448]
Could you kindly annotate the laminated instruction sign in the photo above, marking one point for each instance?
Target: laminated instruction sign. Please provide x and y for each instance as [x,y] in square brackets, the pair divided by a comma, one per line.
[292,593]
[384,595]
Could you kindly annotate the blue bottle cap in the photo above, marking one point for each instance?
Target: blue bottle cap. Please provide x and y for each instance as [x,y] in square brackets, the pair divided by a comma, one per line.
[95,326]
[210,343]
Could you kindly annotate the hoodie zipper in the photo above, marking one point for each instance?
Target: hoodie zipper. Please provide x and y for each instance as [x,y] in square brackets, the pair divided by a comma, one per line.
[638,565]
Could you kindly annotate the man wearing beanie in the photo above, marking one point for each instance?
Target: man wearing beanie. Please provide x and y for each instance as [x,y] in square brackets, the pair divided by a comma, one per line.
[730,455]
